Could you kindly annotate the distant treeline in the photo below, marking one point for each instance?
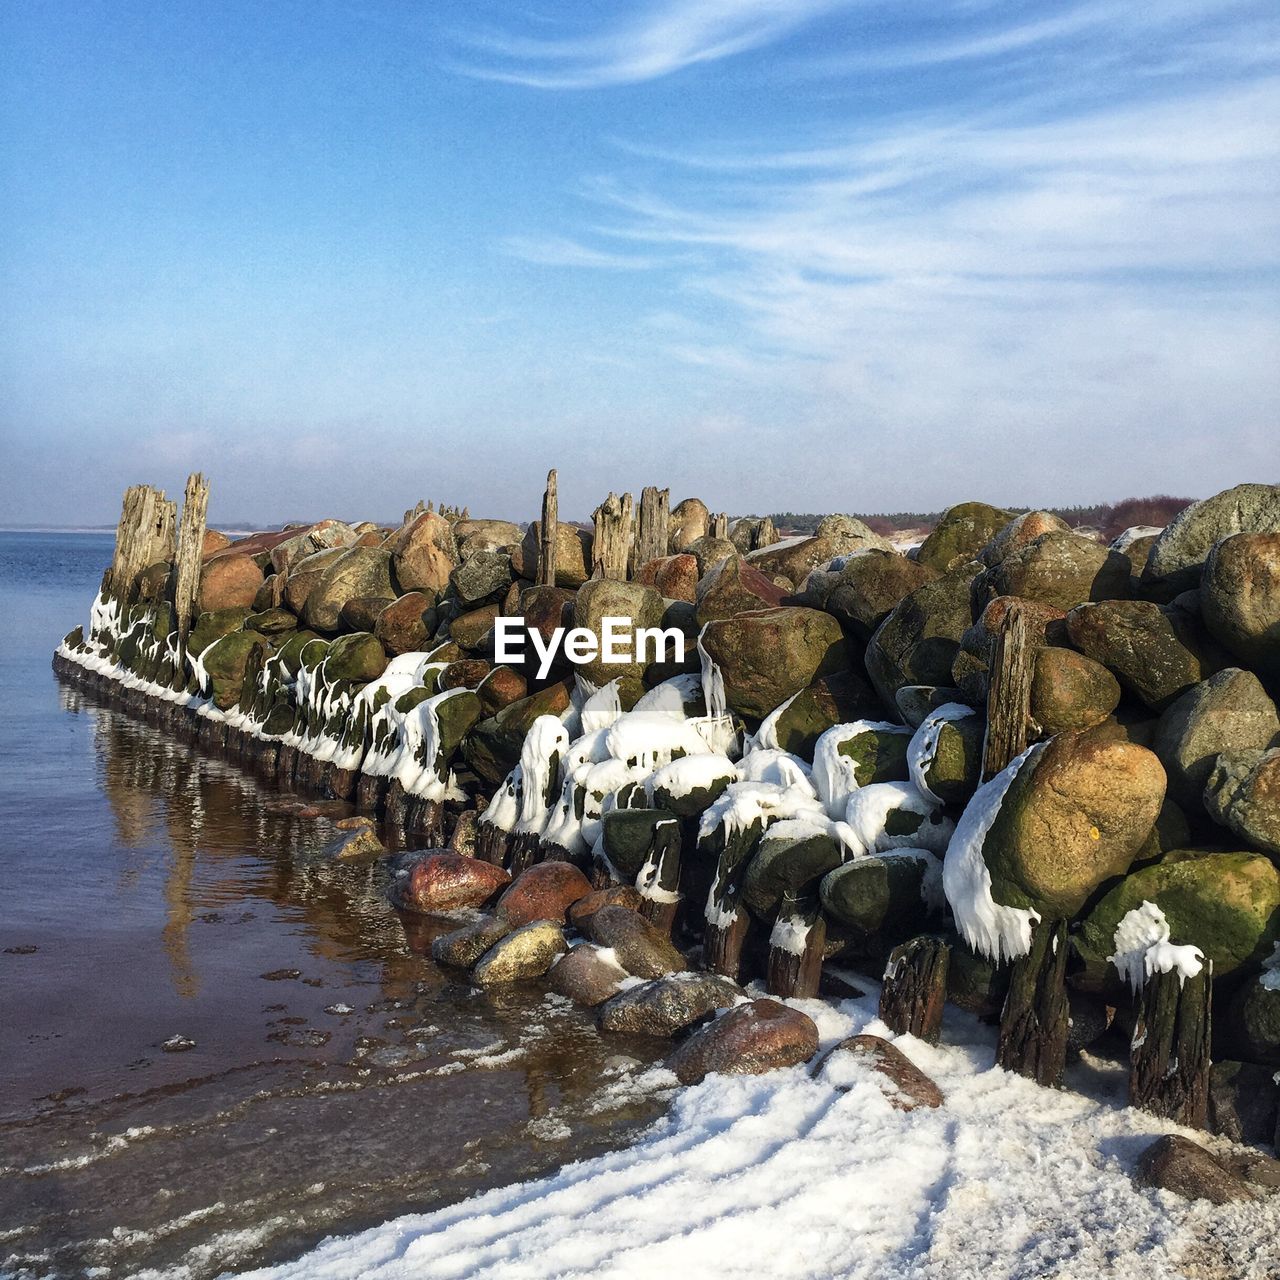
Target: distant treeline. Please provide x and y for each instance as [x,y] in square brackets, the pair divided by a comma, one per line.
[1110,518]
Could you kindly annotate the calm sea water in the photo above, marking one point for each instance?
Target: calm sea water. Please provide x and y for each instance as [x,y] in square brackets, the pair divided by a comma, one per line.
[337,1077]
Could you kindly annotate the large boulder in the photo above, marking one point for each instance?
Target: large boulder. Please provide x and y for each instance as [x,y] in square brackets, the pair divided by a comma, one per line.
[1156,651]
[423,554]
[1229,712]
[734,587]
[1020,532]
[904,1085]
[358,657]
[492,748]
[1070,691]
[443,881]
[707,552]
[1174,1163]
[830,700]
[481,578]
[675,577]
[791,856]
[767,656]
[228,582]
[1179,553]
[473,536]
[886,898]
[1060,568]
[960,534]
[305,575]
[324,535]
[1240,599]
[1243,793]
[1227,904]
[669,1004]
[1045,625]
[639,948]
[573,554]
[689,520]
[545,891]
[463,947]
[471,630]
[870,585]
[524,954]
[403,625]
[749,1039]
[794,558]
[608,598]
[225,661]
[359,571]
[588,975]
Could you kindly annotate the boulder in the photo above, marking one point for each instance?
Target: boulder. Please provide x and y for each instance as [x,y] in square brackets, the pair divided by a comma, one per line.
[492,748]
[443,881]
[573,554]
[305,576]
[795,558]
[903,1084]
[214,541]
[790,856]
[734,587]
[1177,558]
[688,521]
[675,577]
[884,898]
[708,552]
[324,535]
[470,630]
[482,578]
[946,754]
[463,947]
[669,1004]
[228,582]
[1240,599]
[403,625]
[423,554]
[640,949]
[608,598]
[1062,569]
[524,954]
[1020,532]
[466,673]
[359,571]
[749,1039]
[970,669]
[362,845]
[362,612]
[1156,651]
[500,688]
[271,622]
[225,661]
[1250,1026]
[615,895]
[960,534]
[1070,691]
[546,608]
[1229,712]
[484,535]
[1243,794]
[1174,1163]
[830,700]
[870,586]
[588,975]
[767,656]
[359,657]
[545,891]
[1244,1101]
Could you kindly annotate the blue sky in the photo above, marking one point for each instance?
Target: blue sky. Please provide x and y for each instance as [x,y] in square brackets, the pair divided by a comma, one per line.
[807,255]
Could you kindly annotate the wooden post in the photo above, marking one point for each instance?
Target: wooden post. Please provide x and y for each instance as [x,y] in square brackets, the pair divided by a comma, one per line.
[547,538]
[658,880]
[186,578]
[611,548]
[765,534]
[651,529]
[145,534]
[797,946]
[1169,1058]
[1034,1021]
[1008,694]
[720,525]
[915,988]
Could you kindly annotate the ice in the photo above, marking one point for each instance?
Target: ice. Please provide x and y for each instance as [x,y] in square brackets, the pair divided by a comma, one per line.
[924,744]
[833,775]
[1143,949]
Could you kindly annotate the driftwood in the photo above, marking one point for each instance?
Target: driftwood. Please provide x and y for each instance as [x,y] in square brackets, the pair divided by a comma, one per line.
[1034,1021]
[1008,695]
[186,576]
[144,535]
[1169,1058]
[651,528]
[915,988]
[547,538]
[611,548]
[796,948]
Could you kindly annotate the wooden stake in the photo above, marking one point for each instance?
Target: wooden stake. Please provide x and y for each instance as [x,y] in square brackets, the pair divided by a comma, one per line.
[651,528]
[720,525]
[765,534]
[1169,1058]
[144,535]
[915,988]
[796,948]
[547,539]
[1034,1021]
[186,578]
[1008,695]
[611,548]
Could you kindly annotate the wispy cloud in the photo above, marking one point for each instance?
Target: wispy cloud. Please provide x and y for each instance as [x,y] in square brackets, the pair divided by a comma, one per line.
[560,251]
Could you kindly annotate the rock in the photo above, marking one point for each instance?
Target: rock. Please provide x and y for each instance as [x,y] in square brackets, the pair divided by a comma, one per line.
[484,535]
[1243,794]
[442,881]
[1250,1028]
[709,552]
[1075,817]
[1240,599]
[225,662]
[917,702]
[500,688]
[546,608]
[830,700]
[482,578]
[270,594]
[749,1039]
[214,541]
[1020,532]
[904,1085]
[1227,904]
[1156,651]
[1229,712]
[607,598]
[362,612]
[1179,553]
[1070,691]
[1244,1101]
[524,954]
[463,947]
[960,534]
[402,625]
[466,673]
[470,630]
[616,895]
[675,577]
[883,898]
[588,975]
[952,770]
[975,983]
[228,582]
[669,1004]
[918,641]
[545,891]
[795,558]
[870,586]
[787,857]
[1173,1163]
[271,622]
[689,520]
[767,656]
[573,554]
[360,846]
[359,657]
[423,554]
[734,587]
[325,535]
[492,748]
[1045,625]
[1061,569]
[359,571]
[640,949]
[305,577]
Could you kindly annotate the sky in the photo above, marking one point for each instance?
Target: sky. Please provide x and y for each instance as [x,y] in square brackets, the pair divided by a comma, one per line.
[808,255]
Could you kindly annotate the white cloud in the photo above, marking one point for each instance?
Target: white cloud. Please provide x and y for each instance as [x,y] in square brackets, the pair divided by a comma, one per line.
[560,251]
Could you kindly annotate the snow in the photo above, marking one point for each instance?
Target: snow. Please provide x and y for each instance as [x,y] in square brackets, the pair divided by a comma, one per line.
[990,928]
[780,767]
[833,773]
[650,739]
[924,744]
[682,777]
[868,814]
[798,1177]
[712,681]
[1143,949]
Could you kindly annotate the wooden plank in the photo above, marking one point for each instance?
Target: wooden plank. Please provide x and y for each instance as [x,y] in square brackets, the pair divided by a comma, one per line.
[1008,695]
[1034,1021]
[651,528]
[547,537]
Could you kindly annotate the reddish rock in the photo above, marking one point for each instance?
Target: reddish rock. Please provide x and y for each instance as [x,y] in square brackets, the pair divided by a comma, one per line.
[546,608]
[587,976]
[500,688]
[401,626]
[229,582]
[904,1085]
[750,1039]
[464,674]
[617,895]
[543,892]
[468,630]
[444,881]
[641,949]
[675,576]
[422,554]
[361,613]
[214,541]
[734,587]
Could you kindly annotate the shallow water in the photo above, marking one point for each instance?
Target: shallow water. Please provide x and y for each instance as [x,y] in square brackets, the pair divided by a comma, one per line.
[337,1077]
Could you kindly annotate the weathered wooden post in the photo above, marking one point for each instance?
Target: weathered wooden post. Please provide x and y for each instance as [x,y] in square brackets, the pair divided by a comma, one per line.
[1008,694]
[1035,1020]
[797,946]
[186,577]
[651,529]
[765,535]
[547,539]
[1169,1058]
[915,988]
[720,525]
[145,534]
[611,549]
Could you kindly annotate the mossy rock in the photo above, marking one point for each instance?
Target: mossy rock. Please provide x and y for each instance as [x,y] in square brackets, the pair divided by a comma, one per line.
[830,700]
[358,657]
[787,860]
[960,534]
[882,897]
[271,622]
[213,626]
[225,661]
[492,748]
